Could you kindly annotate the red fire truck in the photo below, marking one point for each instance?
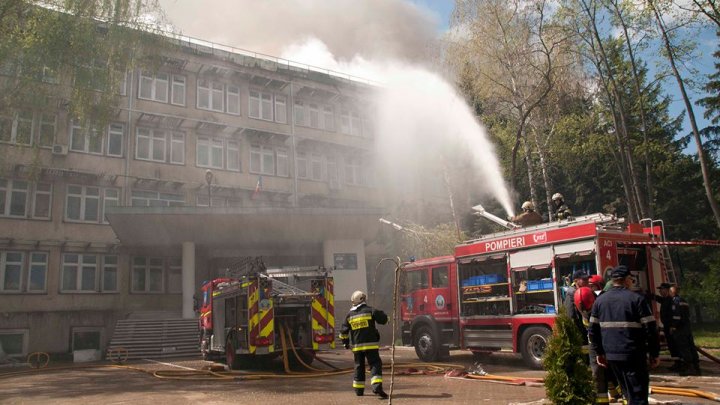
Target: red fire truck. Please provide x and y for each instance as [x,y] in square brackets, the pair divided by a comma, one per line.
[503,290]
[242,318]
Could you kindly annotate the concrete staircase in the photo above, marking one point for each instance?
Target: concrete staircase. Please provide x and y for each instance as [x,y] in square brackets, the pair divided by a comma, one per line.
[155,338]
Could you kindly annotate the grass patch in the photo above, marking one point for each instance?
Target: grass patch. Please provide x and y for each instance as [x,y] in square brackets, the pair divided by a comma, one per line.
[707,335]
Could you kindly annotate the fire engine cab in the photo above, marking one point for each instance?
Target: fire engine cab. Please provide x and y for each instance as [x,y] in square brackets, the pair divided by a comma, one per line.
[251,317]
[502,291]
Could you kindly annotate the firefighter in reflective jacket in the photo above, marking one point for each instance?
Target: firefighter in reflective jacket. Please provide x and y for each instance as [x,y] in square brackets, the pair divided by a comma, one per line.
[624,336]
[358,333]
[682,334]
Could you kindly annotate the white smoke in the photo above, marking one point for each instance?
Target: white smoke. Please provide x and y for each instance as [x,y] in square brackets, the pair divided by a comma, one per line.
[420,115]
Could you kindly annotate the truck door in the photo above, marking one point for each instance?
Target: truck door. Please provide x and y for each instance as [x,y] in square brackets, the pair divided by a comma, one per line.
[439,297]
[416,289]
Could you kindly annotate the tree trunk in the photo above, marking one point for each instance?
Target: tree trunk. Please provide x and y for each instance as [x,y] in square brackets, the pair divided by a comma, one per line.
[690,113]
[544,171]
[531,171]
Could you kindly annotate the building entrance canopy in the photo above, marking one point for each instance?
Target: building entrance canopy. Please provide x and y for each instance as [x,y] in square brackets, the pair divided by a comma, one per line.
[247,227]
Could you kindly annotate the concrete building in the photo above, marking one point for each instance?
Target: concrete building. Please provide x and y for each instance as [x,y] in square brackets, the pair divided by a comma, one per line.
[219,156]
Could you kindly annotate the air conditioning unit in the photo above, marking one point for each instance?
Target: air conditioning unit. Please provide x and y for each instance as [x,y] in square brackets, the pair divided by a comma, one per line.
[60,150]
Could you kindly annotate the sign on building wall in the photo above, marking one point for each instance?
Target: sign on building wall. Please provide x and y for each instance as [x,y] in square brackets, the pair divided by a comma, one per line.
[345,261]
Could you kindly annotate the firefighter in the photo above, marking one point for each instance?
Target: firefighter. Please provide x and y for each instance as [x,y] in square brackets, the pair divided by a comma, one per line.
[580,279]
[624,336]
[666,317]
[682,335]
[358,333]
[528,217]
[605,381]
[561,210]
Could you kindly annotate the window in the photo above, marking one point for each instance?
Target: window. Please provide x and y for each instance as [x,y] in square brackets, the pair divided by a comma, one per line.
[178,90]
[328,118]
[27,128]
[352,171]
[153,87]
[16,195]
[302,165]
[13,198]
[350,122]
[332,171]
[280,109]
[210,95]
[86,338]
[141,198]
[316,166]
[211,153]
[11,264]
[233,100]
[440,277]
[116,133]
[147,275]
[37,273]
[174,275]
[261,105]
[283,167]
[157,145]
[88,204]
[314,115]
[91,140]
[299,112]
[262,160]
[14,342]
[110,274]
[81,273]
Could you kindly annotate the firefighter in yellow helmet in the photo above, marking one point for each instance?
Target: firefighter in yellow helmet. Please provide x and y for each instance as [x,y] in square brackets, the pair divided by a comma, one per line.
[561,210]
[358,332]
[528,217]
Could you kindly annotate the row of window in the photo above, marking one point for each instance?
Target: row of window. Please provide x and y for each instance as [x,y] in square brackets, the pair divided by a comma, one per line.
[26,272]
[216,96]
[15,342]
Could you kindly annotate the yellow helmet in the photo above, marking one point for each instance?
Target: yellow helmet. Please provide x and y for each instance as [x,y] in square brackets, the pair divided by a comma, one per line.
[358,297]
[557,196]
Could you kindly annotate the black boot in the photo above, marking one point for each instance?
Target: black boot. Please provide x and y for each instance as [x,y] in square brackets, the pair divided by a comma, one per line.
[694,370]
[379,392]
[359,392]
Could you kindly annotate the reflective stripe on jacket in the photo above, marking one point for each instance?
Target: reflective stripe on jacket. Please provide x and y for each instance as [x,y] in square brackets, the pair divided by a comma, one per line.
[622,326]
[359,327]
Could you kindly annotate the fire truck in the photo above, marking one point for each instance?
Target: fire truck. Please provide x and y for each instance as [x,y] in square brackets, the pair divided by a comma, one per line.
[502,291]
[242,319]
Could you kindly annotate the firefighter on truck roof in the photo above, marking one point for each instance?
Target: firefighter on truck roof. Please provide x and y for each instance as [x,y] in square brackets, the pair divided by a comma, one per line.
[561,210]
[358,332]
[528,217]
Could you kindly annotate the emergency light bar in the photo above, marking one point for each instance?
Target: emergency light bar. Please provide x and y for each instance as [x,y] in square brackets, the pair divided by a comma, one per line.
[479,210]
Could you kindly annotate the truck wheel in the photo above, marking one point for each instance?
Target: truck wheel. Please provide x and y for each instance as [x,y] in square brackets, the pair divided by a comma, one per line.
[426,346]
[533,343]
[231,358]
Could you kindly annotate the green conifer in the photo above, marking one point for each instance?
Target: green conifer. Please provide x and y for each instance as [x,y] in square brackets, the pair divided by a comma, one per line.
[569,379]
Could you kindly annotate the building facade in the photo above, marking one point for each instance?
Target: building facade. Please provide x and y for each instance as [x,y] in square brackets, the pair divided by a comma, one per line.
[218,156]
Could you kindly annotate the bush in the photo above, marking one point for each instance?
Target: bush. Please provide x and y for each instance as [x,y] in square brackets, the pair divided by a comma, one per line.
[569,379]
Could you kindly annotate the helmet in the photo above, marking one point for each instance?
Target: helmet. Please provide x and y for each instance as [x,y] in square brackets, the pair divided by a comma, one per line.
[557,196]
[358,297]
[597,280]
[584,299]
[527,205]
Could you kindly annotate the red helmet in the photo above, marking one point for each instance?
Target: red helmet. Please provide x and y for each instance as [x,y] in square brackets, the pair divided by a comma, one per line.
[584,298]
[597,280]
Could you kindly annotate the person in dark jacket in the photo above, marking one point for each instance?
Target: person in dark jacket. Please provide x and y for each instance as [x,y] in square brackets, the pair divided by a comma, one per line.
[528,217]
[665,301]
[580,279]
[623,333]
[560,209]
[358,332]
[682,335]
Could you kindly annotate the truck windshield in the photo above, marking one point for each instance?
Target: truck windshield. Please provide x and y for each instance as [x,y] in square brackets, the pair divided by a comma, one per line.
[440,277]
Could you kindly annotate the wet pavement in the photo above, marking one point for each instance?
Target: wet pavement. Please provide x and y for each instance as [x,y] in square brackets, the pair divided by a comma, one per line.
[102,383]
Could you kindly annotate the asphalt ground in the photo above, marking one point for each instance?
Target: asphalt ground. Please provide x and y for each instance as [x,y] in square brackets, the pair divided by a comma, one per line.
[101,383]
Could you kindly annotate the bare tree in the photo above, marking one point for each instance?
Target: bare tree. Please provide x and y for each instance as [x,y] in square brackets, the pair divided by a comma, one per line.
[670,54]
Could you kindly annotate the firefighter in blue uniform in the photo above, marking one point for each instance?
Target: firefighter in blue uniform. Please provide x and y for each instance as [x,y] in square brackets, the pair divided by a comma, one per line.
[358,332]
[624,335]
[682,335]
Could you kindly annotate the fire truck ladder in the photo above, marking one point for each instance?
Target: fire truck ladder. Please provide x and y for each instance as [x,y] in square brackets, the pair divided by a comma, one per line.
[667,266]
[280,289]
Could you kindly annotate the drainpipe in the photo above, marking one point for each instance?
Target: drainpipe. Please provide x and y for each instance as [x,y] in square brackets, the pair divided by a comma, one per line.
[291,117]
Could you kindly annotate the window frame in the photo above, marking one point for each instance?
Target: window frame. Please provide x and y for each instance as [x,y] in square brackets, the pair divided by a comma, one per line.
[182,84]
[147,267]
[25,340]
[169,139]
[101,204]
[3,270]
[10,189]
[30,265]
[153,83]
[236,97]
[264,153]
[80,267]
[211,93]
